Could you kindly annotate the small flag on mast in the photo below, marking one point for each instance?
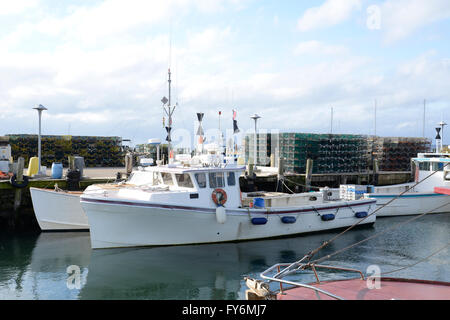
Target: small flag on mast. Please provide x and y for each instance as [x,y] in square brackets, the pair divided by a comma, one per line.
[235,127]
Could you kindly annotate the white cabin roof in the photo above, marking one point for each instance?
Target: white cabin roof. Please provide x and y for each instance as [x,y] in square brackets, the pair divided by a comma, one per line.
[433,157]
[186,169]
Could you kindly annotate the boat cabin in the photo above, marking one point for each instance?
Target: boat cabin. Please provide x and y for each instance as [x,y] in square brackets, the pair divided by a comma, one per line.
[426,164]
[195,185]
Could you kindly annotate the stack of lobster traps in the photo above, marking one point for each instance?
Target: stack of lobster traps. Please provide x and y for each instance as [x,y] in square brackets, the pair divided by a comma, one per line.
[332,153]
[395,153]
[96,151]
[335,153]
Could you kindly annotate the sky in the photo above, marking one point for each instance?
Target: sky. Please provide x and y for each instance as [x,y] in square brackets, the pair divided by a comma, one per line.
[100,66]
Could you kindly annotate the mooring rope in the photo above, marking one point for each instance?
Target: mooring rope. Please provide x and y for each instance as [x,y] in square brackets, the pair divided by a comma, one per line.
[313,252]
[416,263]
[377,234]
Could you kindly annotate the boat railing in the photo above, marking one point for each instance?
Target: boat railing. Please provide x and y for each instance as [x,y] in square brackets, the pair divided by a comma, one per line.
[289,270]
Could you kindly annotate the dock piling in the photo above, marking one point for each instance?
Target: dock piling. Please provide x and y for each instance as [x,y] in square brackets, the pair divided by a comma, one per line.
[19,178]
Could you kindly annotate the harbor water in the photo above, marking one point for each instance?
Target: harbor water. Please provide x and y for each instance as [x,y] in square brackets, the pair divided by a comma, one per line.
[62,265]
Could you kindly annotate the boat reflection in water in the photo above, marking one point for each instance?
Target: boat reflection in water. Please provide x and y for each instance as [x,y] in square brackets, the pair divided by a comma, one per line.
[209,271]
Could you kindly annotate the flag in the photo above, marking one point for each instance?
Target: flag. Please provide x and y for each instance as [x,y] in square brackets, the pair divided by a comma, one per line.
[235,126]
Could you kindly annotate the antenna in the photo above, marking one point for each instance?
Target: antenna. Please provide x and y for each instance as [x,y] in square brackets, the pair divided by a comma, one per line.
[375,118]
[331,120]
[169,110]
[423,125]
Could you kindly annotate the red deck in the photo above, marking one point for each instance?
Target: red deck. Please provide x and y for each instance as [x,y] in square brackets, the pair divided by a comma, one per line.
[442,190]
[356,289]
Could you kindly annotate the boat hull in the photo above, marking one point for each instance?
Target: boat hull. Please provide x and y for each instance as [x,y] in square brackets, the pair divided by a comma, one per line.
[410,203]
[57,211]
[117,223]
[357,289]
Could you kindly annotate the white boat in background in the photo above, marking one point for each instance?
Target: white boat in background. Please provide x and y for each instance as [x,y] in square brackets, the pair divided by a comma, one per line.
[432,170]
[60,210]
[198,204]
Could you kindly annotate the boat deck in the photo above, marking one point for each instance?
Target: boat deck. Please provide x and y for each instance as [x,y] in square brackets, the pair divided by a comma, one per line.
[357,289]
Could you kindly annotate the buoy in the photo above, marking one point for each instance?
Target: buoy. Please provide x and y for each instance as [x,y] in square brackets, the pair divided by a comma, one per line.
[259,221]
[221,215]
[361,214]
[327,217]
[288,219]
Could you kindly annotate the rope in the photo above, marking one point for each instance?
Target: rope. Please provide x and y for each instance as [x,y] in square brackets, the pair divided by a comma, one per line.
[312,253]
[284,184]
[422,260]
[302,185]
[375,235]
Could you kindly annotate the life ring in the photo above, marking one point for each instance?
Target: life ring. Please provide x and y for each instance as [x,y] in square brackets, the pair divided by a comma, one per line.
[219,196]
[19,185]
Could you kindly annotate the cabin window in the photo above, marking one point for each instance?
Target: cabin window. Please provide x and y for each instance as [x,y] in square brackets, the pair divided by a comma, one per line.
[424,166]
[437,166]
[184,180]
[231,179]
[216,180]
[201,180]
[167,178]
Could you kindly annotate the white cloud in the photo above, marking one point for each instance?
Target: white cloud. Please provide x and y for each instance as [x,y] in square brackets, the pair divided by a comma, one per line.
[314,47]
[11,7]
[400,18]
[330,13]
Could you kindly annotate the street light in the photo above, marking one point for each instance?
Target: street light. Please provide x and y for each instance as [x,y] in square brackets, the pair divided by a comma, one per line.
[442,124]
[39,108]
[255,117]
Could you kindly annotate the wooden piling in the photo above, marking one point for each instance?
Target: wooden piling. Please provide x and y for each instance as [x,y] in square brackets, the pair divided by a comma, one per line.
[19,178]
[309,168]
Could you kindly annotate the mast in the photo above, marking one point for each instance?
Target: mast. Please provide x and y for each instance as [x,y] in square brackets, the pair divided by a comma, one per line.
[169,110]
[423,123]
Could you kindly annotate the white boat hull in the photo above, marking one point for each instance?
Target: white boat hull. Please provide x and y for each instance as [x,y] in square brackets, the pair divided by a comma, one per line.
[410,203]
[58,210]
[116,223]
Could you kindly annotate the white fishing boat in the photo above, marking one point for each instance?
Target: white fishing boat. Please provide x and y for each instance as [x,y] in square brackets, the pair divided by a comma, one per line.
[432,171]
[60,210]
[198,204]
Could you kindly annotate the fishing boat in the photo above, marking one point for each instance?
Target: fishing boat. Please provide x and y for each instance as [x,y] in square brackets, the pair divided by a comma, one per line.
[60,210]
[200,204]
[432,175]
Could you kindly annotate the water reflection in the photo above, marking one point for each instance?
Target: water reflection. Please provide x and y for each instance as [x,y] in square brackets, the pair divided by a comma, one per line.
[35,267]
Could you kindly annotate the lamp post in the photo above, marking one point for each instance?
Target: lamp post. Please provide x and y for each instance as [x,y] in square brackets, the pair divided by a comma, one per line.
[442,124]
[39,108]
[255,117]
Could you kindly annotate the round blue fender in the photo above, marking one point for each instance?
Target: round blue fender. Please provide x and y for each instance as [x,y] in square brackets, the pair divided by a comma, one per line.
[361,214]
[259,221]
[288,219]
[327,217]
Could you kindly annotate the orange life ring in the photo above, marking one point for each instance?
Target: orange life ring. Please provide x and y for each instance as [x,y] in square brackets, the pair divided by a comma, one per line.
[219,196]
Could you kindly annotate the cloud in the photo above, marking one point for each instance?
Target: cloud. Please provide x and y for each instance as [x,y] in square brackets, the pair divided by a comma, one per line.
[401,18]
[314,47]
[330,13]
[8,7]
